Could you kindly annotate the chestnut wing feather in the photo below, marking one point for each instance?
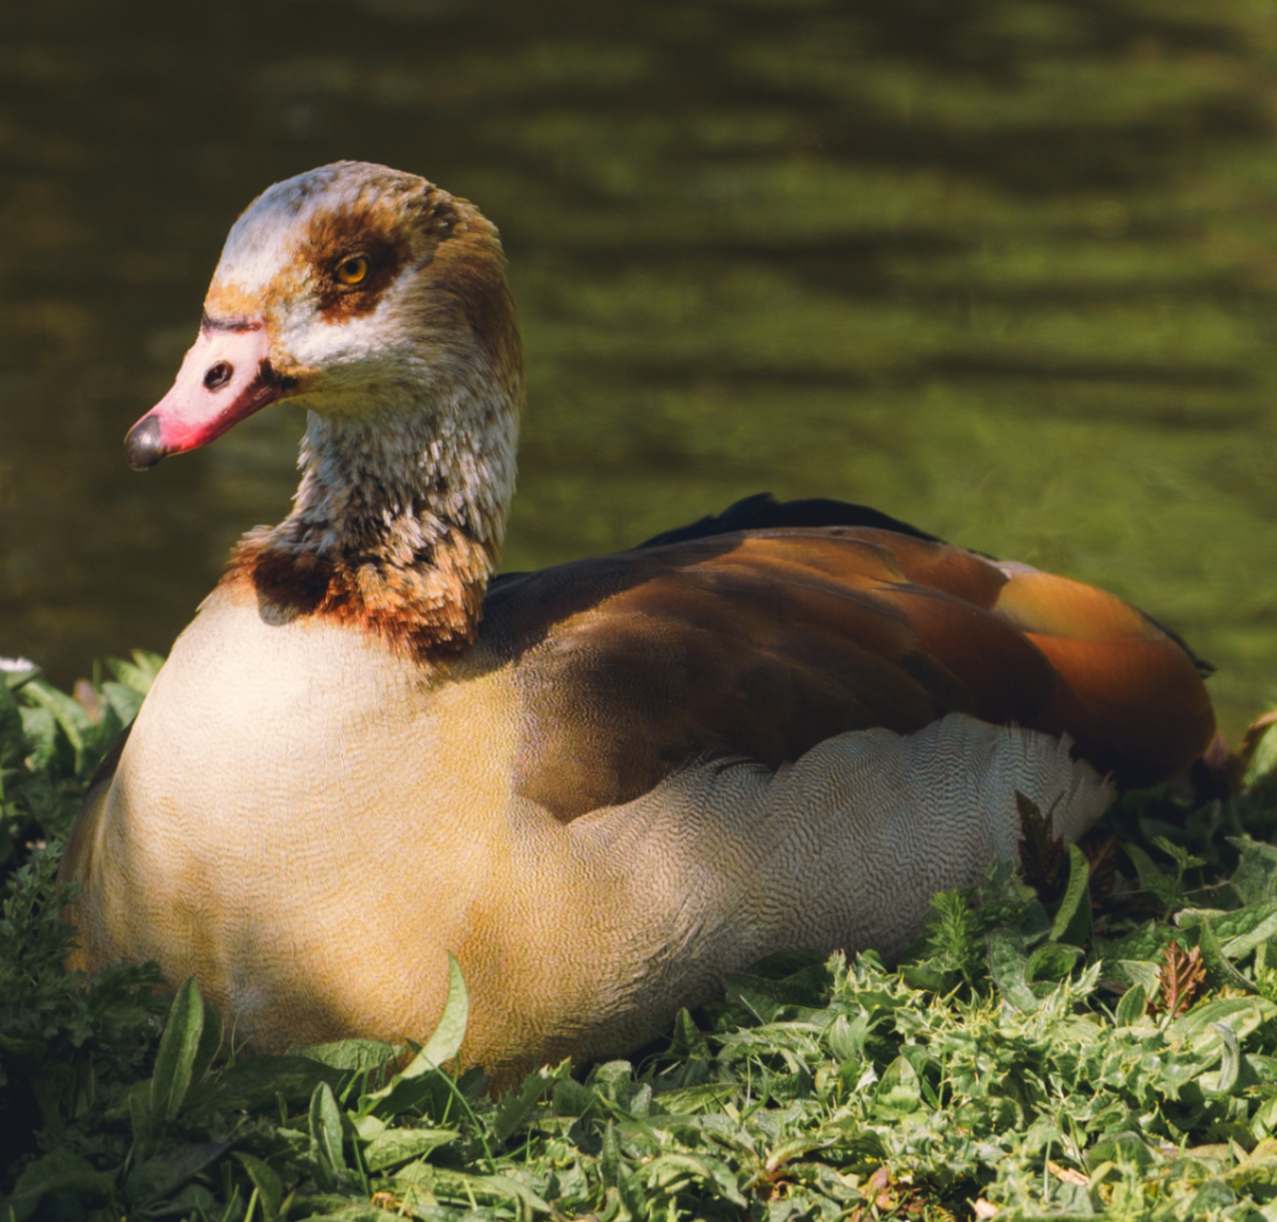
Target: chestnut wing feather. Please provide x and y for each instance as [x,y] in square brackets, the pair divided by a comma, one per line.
[762,643]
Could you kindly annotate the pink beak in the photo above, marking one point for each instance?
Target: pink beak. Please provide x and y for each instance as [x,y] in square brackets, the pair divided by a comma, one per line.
[225,377]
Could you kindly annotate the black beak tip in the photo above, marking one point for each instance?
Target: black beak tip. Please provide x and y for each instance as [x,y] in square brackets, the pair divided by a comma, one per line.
[143,447]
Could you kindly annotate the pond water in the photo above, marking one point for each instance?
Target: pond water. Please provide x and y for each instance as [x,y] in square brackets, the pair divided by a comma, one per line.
[1005,269]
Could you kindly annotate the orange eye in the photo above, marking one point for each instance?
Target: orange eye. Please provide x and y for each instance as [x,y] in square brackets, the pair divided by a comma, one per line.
[353,269]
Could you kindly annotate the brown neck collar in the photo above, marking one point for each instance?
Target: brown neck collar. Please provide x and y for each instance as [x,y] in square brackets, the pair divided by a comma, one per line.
[396,526]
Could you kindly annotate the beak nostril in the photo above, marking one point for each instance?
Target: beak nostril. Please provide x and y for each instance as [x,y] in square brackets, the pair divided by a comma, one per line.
[218,375]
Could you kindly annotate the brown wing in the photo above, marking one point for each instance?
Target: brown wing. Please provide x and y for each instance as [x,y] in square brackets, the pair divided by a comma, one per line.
[762,643]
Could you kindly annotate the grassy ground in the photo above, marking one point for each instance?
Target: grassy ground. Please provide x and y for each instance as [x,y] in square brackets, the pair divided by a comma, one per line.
[1095,1033]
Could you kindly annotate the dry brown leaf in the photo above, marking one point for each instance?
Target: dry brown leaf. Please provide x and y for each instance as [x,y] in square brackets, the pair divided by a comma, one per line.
[1254,732]
[1042,852]
[1102,856]
[1067,1175]
[1254,744]
[86,696]
[1181,975]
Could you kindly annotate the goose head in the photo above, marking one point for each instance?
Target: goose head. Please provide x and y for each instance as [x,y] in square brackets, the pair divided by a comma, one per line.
[355,291]
[378,302]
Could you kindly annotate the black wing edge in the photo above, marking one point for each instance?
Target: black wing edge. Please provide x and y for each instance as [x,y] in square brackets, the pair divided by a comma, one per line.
[1204,668]
[763,511]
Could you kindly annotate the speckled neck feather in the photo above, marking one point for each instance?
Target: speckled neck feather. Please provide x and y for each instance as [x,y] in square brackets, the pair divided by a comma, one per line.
[396,526]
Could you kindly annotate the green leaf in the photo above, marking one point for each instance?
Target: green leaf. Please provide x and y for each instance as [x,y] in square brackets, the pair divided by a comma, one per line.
[40,729]
[1126,1148]
[1229,1065]
[137,1104]
[1210,1200]
[1072,921]
[1262,763]
[358,1055]
[445,1042]
[155,1178]
[508,1187]
[610,1160]
[210,1044]
[847,1037]
[1161,886]
[10,725]
[176,1058]
[1218,962]
[1183,859]
[671,1168]
[1196,1032]
[467,1187]
[1053,961]
[1247,927]
[71,718]
[257,1081]
[270,1190]
[1132,1008]
[1258,1169]
[1143,972]
[516,1106]
[332,1207]
[138,674]
[928,978]
[326,1140]
[395,1146]
[441,1047]
[123,700]
[1255,878]
[1009,968]
[57,1173]
[899,1092]
[571,1098]
[1242,945]
[631,1191]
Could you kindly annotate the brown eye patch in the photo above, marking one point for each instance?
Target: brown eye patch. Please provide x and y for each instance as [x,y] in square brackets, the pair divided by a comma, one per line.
[354,255]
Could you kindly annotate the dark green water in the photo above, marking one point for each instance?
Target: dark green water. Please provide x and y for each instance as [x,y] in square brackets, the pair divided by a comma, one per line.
[1007,269]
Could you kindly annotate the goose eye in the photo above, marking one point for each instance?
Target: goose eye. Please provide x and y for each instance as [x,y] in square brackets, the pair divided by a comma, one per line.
[353,269]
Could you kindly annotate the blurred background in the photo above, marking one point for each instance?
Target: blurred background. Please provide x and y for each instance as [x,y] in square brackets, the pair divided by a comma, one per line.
[1004,268]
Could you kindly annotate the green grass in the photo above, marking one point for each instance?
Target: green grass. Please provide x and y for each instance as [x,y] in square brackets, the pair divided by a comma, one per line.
[1101,1041]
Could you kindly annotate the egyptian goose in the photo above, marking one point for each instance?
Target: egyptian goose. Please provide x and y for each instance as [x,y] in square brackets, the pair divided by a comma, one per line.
[601,786]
